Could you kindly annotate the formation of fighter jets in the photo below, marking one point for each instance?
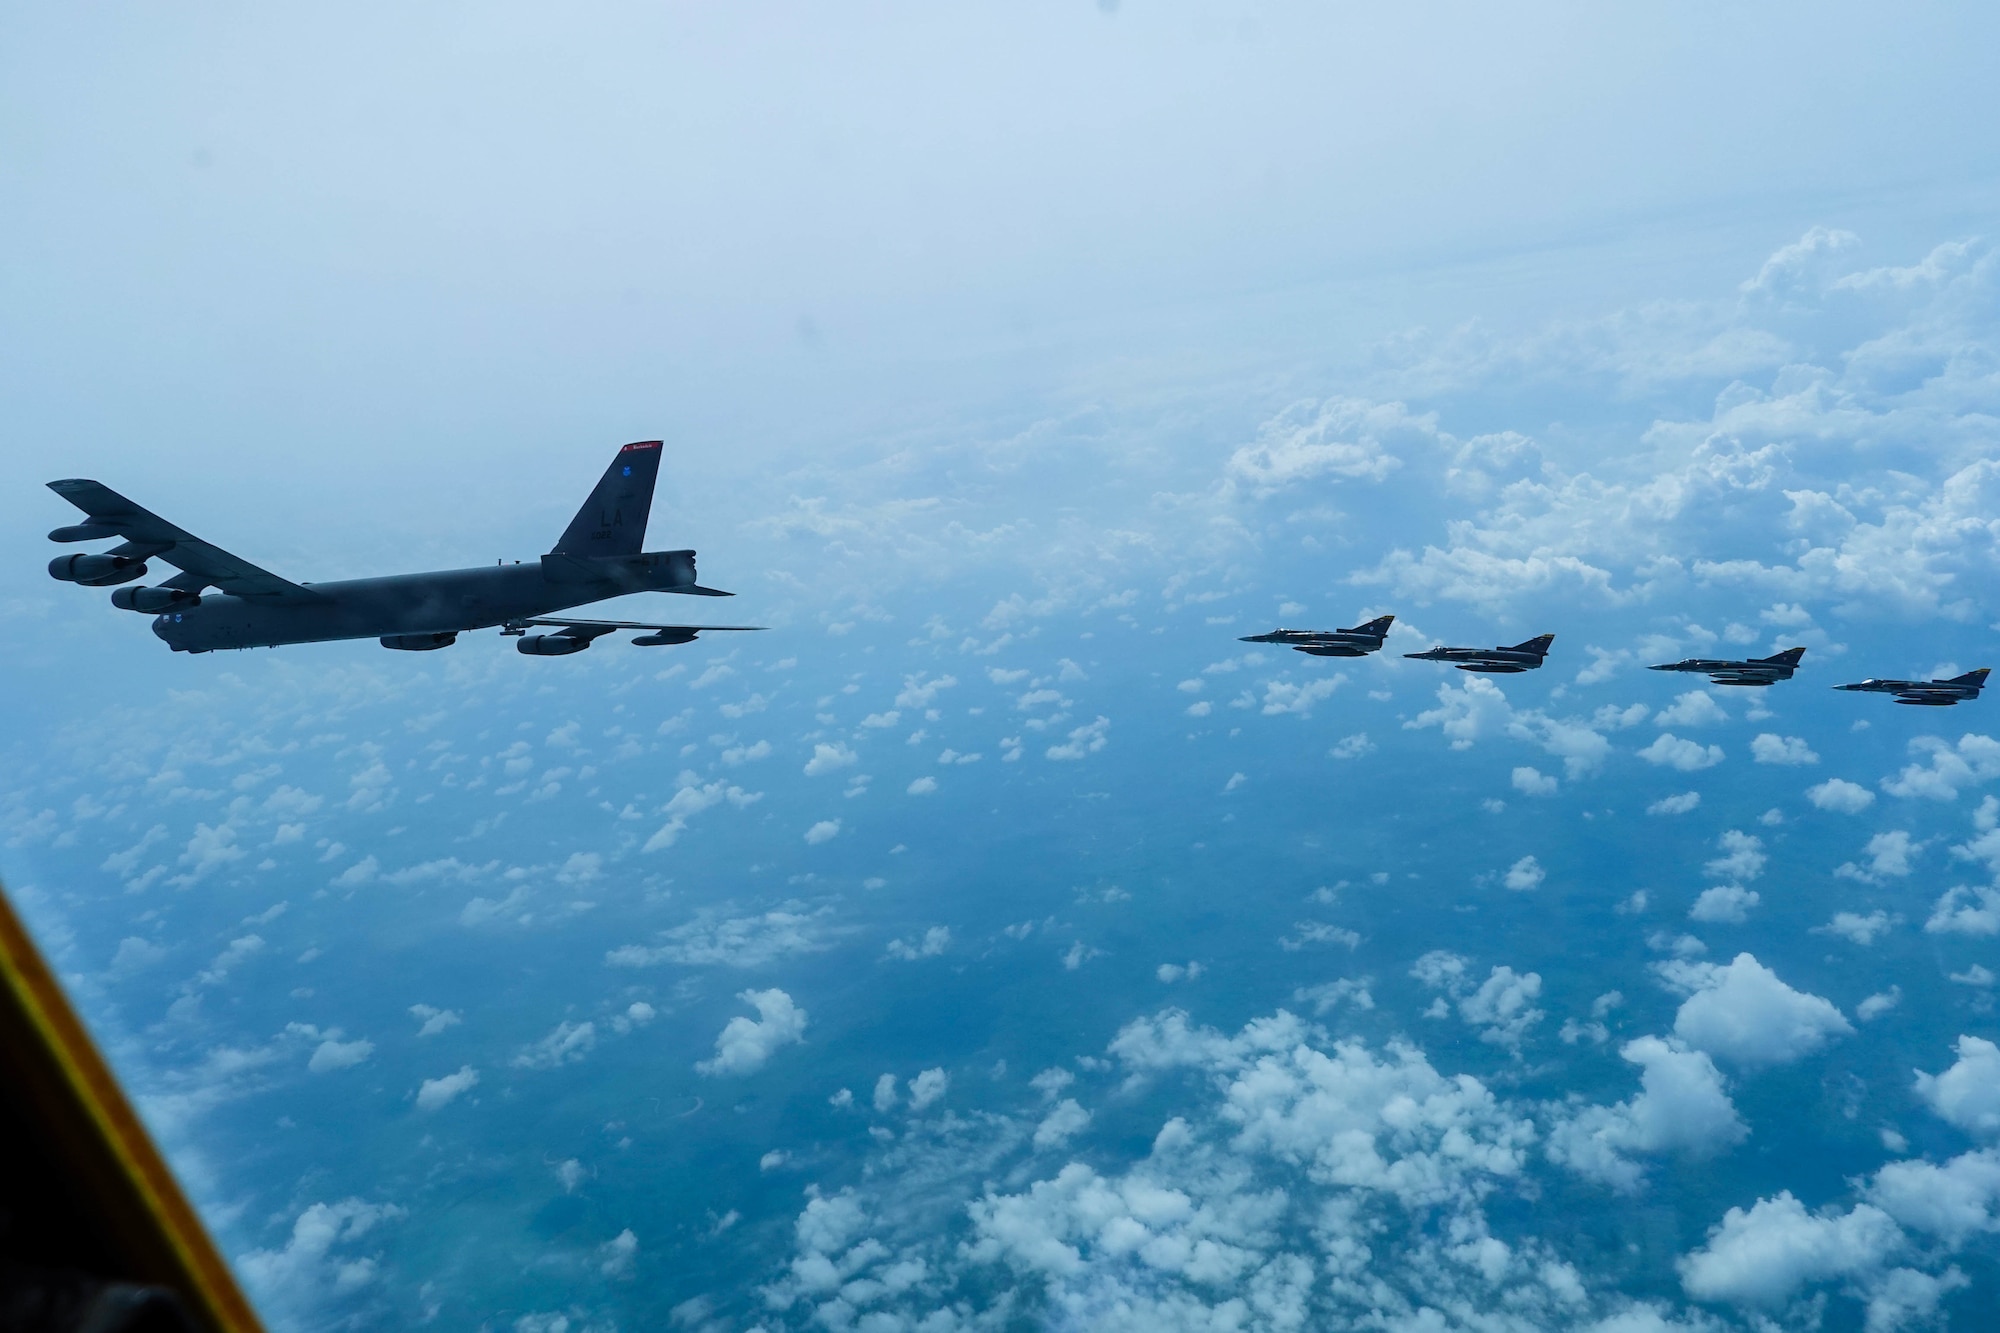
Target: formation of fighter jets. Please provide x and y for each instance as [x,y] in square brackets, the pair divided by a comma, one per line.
[1755,671]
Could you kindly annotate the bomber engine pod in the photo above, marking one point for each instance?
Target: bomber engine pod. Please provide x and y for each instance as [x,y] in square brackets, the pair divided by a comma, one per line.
[97,571]
[550,645]
[152,601]
[420,643]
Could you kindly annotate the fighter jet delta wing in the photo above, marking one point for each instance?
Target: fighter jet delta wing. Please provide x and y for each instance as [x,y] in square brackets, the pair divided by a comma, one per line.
[1359,641]
[148,535]
[1926,693]
[1752,671]
[1493,661]
[573,636]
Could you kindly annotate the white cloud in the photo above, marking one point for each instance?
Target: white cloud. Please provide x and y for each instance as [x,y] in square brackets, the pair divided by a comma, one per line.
[438,1092]
[1687,756]
[1863,930]
[745,1045]
[1525,874]
[1725,903]
[1967,1094]
[1966,910]
[830,758]
[934,941]
[331,1055]
[1352,747]
[565,1044]
[1532,782]
[1881,1002]
[922,786]
[1976,759]
[1840,796]
[1696,708]
[927,1088]
[737,941]
[885,1092]
[310,1268]
[1742,856]
[919,692]
[1761,1257]
[693,797]
[823,831]
[1061,1124]
[1340,439]
[615,1256]
[1678,804]
[1744,1014]
[1683,1107]
[1087,739]
[1888,858]
[1769,748]
[1284,696]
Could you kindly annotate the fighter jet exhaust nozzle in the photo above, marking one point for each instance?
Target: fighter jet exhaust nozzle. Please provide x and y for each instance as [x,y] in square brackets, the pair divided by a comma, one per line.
[419,643]
[551,645]
[152,601]
[96,571]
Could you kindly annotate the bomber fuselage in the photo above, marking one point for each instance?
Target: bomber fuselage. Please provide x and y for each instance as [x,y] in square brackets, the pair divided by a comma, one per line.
[443,602]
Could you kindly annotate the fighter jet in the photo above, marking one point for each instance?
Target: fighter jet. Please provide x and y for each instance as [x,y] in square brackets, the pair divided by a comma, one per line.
[598,556]
[1926,693]
[1494,661]
[1755,671]
[1357,642]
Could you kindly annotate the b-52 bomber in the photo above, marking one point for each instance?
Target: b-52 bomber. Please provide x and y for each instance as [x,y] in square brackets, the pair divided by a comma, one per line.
[1356,642]
[1926,693]
[1493,661]
[1753,671]
[598,556]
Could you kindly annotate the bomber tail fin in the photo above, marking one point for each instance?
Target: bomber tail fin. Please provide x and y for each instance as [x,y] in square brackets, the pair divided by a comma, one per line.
[613,520]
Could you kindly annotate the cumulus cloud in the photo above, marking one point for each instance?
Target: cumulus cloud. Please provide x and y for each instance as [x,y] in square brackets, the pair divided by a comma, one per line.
[1840,796]
[1966,910]
[1670,751]
[565,1044]
[1888,858]
[442,1091]
[1946,769]
[1967,1094]
[824,831]
[1762,1257]
[830,758]
[1066,1120]
[745,1045]
[1524,874]
[1340,439]
[1675,805]
[333,1054]
[1087,739]
[1769,748]
[1744,1014]
[1862,930]
[316,1261]
[693,797]
[1742,856]
[1532,782]
[1683,1107]
[712,938]
[1696,708]
[927,1088]
[1725,903]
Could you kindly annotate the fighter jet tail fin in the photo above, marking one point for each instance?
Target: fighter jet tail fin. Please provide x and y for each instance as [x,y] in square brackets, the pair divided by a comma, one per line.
[1379,627]
[1539,644]
[1790,657]
[613,520]
[1977,677]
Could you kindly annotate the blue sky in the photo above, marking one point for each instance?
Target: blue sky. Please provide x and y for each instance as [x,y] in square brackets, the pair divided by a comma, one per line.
[997,941]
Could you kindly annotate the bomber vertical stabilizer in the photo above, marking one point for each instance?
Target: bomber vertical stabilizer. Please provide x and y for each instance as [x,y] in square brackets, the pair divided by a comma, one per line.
[613,520]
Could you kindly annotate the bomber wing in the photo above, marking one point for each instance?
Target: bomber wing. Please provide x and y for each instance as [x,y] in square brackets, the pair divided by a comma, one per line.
[148,535]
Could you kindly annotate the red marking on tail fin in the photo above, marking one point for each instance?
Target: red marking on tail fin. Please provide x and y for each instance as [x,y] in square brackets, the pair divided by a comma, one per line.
[642,444]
